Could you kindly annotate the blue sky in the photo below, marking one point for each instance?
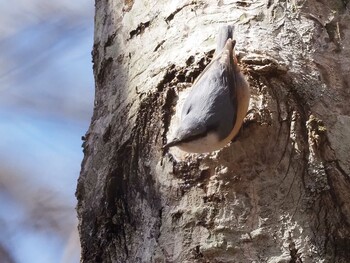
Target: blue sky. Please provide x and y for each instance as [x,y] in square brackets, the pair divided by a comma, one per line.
[46,101]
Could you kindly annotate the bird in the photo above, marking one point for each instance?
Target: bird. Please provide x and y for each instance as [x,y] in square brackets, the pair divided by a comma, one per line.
[217,103]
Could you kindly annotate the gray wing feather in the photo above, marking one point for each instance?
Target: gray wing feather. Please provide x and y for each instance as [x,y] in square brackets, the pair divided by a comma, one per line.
[213,94]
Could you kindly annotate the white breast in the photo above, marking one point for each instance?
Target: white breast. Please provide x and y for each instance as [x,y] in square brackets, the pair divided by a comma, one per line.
[205,144]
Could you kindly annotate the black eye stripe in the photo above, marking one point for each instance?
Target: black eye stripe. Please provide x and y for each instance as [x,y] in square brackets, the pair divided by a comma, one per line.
[188,110]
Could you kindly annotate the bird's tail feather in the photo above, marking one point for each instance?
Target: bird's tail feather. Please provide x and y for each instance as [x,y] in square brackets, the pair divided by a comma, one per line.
[225,33]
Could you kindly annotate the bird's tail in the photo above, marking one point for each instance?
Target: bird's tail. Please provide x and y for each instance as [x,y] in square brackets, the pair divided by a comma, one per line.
[225,33]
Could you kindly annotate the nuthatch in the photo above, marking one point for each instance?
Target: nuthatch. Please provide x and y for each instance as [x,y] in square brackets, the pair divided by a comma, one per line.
[214,110]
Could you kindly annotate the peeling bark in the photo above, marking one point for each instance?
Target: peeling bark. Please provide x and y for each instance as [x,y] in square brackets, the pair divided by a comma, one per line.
[280,192]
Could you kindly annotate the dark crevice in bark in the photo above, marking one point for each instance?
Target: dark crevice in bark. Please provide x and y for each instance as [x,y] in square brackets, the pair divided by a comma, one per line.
[172,15]
[197,254]
[110,41]
[294,254]
[139,29]
[104,71]
[117,209]
[107,134]
[95,56]
[159,45]
[243,3]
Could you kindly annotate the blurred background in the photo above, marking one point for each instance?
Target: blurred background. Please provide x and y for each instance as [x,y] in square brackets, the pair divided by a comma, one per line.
[46,101]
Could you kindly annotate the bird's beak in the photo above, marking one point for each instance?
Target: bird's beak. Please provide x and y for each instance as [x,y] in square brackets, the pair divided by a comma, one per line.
[172,143]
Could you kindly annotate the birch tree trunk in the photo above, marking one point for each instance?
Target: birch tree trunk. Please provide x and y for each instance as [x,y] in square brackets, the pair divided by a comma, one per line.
[280,192]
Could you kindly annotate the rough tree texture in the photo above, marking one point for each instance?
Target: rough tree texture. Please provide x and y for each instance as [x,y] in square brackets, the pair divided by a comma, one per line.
[280,192]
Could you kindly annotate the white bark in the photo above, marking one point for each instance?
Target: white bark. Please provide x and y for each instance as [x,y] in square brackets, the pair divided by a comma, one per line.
[279,193]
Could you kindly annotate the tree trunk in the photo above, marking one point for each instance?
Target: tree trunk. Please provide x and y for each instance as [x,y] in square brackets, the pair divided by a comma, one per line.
[280,192]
